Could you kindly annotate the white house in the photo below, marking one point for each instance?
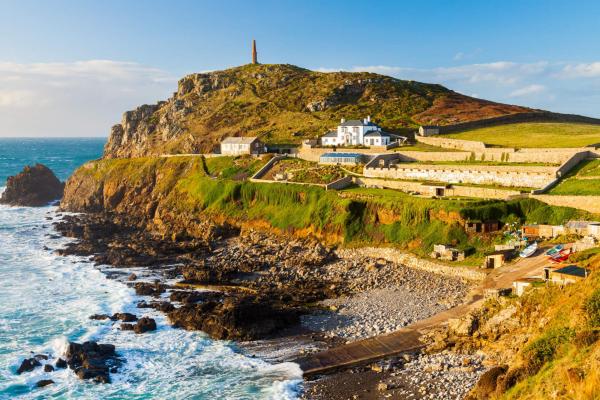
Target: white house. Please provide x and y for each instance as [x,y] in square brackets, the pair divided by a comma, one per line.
[356,132]
[235,146]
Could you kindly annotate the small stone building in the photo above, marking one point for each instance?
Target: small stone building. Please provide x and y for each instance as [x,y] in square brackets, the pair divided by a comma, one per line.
[429,130]
[446,252]
[566,275]
[483,226]
[542,231]
[520,285]
[342,158]
[236,146]
[498,258]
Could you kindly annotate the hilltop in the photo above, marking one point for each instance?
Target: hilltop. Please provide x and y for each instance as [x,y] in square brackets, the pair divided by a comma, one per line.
[283,104]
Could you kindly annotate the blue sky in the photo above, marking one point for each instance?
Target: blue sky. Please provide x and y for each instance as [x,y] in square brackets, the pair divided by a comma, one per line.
[77,65]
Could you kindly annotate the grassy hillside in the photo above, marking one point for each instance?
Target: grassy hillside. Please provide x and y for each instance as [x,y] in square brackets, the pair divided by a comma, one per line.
[584,180]
[524,135]
[553,338]
[186,188]
[284,104]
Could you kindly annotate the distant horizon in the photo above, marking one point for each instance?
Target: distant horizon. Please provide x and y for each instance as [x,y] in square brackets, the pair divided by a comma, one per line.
[59,77]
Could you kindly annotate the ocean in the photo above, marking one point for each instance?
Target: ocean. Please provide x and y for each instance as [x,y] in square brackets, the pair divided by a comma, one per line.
[46,301]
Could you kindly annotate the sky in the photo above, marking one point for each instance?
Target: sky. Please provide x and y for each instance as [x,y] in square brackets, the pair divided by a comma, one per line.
[72,67]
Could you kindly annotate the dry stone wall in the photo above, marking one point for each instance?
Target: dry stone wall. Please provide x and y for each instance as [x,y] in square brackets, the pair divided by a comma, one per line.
[476,174]
[453,191]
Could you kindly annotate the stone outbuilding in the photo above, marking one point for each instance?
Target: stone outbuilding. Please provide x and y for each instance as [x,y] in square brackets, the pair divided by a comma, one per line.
[240,145]
[566,275]
[428,130]
[446,252]
[498,258]
[483,226]
[520,285]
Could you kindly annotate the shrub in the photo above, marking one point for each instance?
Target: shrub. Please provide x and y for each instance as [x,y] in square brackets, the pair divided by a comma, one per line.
[544,348]
[592,308]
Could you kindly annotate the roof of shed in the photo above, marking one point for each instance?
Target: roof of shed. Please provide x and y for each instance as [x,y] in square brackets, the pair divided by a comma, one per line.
[239,139]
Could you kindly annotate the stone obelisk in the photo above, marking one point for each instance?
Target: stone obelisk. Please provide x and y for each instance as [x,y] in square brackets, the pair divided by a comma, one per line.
[254,55]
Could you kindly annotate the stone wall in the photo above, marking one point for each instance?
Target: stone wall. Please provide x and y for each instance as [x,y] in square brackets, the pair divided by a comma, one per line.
[453,191]
[535,116]
[265,168]
[448,143]
[411,261]
[586,203]
[509,176]
[340,183]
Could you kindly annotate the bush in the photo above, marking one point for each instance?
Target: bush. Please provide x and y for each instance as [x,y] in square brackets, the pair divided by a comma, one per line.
[543,349]
[592,308]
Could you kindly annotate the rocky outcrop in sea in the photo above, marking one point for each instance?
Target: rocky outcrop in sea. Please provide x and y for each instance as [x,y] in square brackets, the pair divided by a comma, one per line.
[35,186]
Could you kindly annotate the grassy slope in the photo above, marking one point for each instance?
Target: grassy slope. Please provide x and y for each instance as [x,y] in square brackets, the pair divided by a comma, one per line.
[351,217]
[561,358]
[534,135]
[271,101]
[584,180]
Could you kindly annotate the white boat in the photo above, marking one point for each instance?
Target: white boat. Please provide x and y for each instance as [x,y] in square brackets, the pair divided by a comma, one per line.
[529,250]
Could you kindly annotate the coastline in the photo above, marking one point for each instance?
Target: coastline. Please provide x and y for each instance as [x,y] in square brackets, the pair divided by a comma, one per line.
[370,296]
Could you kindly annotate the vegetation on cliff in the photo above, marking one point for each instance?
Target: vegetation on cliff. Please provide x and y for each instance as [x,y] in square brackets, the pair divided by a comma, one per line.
[284,104]
[174,194]
[549,339]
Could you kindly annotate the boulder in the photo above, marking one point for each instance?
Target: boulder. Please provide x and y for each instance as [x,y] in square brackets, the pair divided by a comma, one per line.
[48,368]
[91,360]
[464,326]
[44,382]
[61,363]
[145,324]
[28,364]
[486,386]
[35,186]
[125,317]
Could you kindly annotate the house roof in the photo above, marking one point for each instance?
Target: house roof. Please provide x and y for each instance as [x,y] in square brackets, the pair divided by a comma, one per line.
[342,155]
[430,127]
[376,134]
[579,224]
[330,134]
[239,140]
[572,270]
[357,122]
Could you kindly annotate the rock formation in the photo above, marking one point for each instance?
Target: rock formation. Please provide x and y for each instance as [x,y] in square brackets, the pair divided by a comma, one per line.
[35,186]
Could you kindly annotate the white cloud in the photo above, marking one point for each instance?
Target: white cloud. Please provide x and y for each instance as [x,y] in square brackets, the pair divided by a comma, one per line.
[16,98]
[583,70]
[528,90]
[80,98]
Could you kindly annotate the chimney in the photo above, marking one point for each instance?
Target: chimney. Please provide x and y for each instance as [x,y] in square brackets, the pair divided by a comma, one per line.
[254,54]
[368,118]
[343,120]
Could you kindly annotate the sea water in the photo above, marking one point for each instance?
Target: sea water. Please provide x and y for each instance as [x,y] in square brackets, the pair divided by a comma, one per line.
[46,301]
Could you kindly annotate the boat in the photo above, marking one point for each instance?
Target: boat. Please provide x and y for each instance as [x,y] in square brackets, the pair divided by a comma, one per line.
[529,250]
[555,250]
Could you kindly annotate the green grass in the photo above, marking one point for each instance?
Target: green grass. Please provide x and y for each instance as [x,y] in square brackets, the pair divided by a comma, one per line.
[524,135]
[577,187]
[589,168]
[422,147]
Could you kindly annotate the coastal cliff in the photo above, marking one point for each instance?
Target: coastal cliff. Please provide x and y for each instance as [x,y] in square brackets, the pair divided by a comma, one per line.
[284,104]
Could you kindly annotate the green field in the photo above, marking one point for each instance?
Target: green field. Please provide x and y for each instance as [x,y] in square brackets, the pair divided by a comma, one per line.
[584,180]
[534,135]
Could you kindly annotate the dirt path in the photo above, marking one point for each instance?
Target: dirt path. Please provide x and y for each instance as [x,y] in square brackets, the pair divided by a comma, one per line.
[407,339]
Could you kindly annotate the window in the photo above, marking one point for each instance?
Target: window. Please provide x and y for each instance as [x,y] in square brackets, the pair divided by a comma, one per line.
[355,129]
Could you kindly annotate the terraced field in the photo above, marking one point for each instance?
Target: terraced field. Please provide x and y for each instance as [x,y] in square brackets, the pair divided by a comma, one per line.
[525,135]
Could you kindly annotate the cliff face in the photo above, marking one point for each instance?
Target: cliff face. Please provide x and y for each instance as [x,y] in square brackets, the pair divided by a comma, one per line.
[283,104]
